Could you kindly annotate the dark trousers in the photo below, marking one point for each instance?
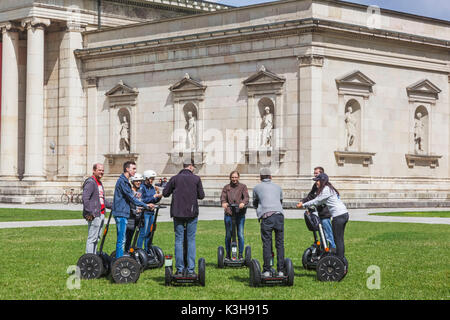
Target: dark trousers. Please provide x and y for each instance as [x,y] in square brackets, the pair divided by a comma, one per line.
[273,223]
[338,225]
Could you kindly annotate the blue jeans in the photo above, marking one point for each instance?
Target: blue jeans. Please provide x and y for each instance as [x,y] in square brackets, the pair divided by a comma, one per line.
[144,233]
[240,220]
[121,227]
[326,224]
[191,229]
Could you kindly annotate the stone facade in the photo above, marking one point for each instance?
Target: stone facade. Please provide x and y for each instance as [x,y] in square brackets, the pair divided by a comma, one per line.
[365,96]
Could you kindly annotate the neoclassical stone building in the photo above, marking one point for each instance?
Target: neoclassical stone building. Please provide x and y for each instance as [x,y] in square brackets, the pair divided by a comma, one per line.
[290,84]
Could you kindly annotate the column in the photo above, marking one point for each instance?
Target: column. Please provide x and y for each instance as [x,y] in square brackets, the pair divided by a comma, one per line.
[310,111]
[10,102]
[34,122]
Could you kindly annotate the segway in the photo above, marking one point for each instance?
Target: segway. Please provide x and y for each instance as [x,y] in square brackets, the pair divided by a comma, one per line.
[155,255]
[128,268]
[93,266]
[171,278]
[318,256]
[257,278]
[234,260]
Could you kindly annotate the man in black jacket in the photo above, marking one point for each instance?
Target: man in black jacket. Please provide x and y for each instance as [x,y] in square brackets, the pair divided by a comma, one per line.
[94,205]
[324,214]
[186,189]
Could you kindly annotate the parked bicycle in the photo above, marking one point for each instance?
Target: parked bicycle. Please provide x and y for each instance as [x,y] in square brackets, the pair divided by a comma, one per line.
[71,196]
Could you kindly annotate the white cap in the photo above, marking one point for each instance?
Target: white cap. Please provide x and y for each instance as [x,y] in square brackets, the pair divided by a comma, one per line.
[149,174]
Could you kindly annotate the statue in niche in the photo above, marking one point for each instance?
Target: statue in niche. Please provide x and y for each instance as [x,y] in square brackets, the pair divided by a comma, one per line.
[418,133]
[191,132]
[267,126]
[350,128]
[124,144]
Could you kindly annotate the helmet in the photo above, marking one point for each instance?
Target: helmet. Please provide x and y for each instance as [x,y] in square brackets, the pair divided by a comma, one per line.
[149,174]
[137,177]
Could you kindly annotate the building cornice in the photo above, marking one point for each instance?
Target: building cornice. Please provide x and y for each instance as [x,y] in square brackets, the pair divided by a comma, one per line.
[177,5]
[254,32]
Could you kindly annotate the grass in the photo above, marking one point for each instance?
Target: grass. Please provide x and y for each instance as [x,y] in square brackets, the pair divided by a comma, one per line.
[413,259]
[425,214]
[14,214]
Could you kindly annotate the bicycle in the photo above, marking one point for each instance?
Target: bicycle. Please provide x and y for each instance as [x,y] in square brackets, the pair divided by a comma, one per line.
[71,196]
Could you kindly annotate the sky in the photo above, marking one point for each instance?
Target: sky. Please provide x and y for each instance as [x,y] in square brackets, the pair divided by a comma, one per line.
[439,9]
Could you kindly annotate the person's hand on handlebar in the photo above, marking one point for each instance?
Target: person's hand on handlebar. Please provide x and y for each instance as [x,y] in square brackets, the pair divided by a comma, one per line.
[300,205]
[225,205]
[151,206]
[241,205]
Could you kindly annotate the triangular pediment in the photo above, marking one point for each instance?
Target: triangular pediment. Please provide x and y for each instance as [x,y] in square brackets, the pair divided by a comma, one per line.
[424,86]
[121,89]
[187,84]
[263,76]
[355,78]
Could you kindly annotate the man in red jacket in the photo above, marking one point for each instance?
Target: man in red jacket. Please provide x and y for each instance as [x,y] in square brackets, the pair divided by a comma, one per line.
[186,188]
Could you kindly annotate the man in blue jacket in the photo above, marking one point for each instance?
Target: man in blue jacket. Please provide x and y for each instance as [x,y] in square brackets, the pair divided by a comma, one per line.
[186,188]
[123,197]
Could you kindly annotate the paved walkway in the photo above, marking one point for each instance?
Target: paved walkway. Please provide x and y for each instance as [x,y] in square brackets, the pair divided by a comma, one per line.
[216,213]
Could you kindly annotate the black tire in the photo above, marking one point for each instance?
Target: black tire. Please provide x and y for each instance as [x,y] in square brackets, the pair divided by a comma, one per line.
[330,268]
[248,255]
[125,270]
[202,271]
[255,273]
[91,266]
[168,276]
[220,257]
[141,257]
[65,199]
[306,258]
[289,269]
[160,255]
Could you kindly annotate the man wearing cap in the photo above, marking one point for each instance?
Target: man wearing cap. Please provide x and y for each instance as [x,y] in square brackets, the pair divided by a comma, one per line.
[186,189]
[322,210]
[151,197]
[268,199]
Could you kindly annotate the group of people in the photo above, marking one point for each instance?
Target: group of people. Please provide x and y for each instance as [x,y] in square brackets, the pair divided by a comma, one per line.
[134,192]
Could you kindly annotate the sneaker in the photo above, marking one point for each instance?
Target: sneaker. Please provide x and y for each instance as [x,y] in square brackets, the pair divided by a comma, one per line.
[266,274]
[191,275]
[281,274]
[240,257]
[178,273]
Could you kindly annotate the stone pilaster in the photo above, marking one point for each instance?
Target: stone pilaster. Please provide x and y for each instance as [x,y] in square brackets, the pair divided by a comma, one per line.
[10,102]
[34,127]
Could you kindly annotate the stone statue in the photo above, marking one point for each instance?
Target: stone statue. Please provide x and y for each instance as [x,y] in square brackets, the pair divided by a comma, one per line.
[191,132]
[124,143]
[418,133]
[350,128]
[267,126]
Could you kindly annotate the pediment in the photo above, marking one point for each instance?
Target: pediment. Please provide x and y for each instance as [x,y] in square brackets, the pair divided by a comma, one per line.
[121,89]
[425,87]
[264,77]
[187,84]
[356,78]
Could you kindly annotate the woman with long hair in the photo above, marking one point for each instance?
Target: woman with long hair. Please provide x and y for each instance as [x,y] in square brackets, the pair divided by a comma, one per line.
[329,196]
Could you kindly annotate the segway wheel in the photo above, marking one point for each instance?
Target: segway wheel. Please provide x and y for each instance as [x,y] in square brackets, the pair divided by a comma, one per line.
[160,255]
[289,269]
[168,276]
[248,255]
[330,268]
[202,271]
[91,266]
[220,257]
[141,257]
[125,270]
[306,258]
[255,273]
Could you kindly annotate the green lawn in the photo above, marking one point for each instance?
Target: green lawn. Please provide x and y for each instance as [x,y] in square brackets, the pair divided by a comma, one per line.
[425,214]
[13,214]
[413,259]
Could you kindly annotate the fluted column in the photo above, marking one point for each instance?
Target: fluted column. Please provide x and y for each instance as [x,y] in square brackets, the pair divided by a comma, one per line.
[34,123]
[10,102]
